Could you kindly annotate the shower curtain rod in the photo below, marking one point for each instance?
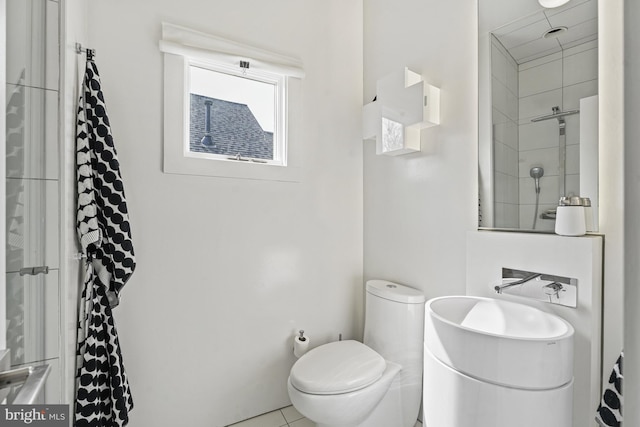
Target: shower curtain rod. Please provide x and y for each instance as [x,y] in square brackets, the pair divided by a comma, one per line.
[555,115]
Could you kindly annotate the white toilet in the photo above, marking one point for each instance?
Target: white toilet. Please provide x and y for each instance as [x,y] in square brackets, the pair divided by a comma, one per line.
[375,384]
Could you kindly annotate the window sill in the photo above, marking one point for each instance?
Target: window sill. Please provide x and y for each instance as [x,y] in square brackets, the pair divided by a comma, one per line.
[229,169]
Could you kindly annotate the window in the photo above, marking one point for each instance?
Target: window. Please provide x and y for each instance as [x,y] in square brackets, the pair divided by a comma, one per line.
[235,115]
[230,110]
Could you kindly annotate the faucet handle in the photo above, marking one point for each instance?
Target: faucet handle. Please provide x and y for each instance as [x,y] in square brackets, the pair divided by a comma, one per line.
[554,288]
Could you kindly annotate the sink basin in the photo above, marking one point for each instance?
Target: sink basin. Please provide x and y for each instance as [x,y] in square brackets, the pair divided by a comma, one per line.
[500,342]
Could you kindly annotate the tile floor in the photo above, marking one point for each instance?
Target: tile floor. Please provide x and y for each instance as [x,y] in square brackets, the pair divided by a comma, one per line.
[285,417]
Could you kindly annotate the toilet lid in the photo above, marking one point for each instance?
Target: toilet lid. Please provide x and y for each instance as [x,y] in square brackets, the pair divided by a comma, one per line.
[337,367]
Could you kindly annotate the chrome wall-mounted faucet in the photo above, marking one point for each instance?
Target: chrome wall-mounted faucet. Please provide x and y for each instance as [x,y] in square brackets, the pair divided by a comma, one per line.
[539,286]
[522,281]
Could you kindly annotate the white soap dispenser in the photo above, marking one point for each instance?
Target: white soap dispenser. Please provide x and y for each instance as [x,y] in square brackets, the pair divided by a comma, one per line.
[570,217]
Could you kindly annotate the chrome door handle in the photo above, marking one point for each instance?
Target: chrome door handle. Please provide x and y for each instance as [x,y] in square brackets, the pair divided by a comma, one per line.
[33,271]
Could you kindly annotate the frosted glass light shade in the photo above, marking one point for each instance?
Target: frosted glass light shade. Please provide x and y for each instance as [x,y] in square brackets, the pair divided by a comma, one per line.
[392,135]
[549,4]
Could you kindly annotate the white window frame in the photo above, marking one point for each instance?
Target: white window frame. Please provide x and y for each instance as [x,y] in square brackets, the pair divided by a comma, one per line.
[280,135]
[183,48]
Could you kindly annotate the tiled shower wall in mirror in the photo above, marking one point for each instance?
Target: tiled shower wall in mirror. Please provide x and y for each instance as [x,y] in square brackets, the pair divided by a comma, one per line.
[520,93]
[560,79]
[504,99]
[32,185]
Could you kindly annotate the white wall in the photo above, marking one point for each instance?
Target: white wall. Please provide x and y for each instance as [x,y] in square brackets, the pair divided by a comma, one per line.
[418,207]
[632,215]
[611,185]
[228,269]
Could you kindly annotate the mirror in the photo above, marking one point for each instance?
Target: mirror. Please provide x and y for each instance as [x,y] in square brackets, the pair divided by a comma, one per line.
[538,111]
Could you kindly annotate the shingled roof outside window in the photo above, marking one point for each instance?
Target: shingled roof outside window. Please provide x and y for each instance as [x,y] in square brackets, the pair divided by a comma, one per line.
[234,130]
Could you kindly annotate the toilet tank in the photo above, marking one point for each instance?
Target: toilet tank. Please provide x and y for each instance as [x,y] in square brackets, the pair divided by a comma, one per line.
[394,322]
[394,328]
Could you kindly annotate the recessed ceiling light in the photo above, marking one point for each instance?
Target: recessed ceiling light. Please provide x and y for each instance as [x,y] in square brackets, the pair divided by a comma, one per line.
[549,4]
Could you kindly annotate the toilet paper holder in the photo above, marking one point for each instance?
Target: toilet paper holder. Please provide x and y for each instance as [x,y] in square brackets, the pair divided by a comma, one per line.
[300,344]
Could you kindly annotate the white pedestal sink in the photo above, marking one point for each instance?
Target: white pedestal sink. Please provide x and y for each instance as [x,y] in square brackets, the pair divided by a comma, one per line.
[493,363]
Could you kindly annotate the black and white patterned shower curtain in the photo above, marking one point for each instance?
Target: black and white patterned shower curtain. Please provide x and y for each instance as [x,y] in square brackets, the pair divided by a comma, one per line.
[103,397]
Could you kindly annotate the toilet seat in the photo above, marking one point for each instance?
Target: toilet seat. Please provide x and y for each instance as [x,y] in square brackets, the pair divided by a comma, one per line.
[337,367]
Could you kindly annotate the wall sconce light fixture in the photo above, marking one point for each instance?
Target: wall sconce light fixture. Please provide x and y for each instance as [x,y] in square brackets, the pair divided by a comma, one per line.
[404,105]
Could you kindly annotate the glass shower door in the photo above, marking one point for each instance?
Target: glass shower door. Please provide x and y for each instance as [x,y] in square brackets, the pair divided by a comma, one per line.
[32,187]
